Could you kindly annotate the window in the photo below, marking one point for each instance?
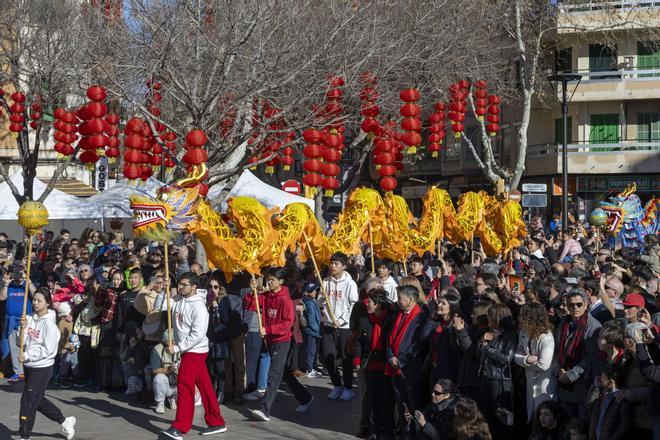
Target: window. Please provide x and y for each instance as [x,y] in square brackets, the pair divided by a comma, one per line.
[559,130]
[602,58]
[648,127]
[564,60]
[648,57]
[604,130]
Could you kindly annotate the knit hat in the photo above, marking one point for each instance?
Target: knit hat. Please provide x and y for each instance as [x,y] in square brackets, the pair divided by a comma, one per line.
[64,309]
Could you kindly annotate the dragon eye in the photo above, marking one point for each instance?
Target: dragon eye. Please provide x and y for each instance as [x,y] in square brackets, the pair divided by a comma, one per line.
[164,196]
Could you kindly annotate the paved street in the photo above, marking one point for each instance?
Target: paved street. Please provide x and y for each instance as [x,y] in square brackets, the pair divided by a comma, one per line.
[109,417]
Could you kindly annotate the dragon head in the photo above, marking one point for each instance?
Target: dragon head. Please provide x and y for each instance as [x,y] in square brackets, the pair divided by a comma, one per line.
[624,207]
[170,212]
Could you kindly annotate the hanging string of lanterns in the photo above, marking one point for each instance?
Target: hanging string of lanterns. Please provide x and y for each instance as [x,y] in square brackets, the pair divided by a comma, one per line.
[92,130]
[369,110]
[458,106]
[35,114]
[313,153]
[16,111]
[437,129]
[480,102]
[66,127]
[112,132]
[411,123]
[133,145]
[493,118]
[333,138]
[196,154]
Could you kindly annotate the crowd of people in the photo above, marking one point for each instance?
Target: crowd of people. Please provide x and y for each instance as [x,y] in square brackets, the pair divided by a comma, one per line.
[556,340]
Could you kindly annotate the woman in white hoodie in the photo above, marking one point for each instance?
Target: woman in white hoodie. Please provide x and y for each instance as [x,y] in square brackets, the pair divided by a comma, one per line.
[41,342]
[536,348]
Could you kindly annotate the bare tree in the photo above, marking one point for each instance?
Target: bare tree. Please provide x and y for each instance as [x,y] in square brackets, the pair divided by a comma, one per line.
[234,60]
[40,47]
[529,31]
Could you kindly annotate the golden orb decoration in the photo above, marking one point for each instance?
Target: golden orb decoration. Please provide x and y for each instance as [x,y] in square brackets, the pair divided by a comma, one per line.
[32,216]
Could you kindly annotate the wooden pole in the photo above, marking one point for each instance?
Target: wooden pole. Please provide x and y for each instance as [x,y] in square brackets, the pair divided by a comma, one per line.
[472,249]
[405,267]
[167,293]
[256,299]
[371,245]
[25,296]
[318,275]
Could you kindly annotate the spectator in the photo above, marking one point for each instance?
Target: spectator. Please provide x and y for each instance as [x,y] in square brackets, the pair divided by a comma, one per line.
[384,270]
[469,424]
[437,418]
[611,417]
[164,369]
[312,329]
[550,422]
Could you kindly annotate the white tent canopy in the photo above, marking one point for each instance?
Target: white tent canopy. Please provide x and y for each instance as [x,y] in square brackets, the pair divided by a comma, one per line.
[115,202]
[249,185]
[60,205]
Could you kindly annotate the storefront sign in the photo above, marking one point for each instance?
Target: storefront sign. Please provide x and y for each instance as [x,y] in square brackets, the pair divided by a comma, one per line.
[619,183]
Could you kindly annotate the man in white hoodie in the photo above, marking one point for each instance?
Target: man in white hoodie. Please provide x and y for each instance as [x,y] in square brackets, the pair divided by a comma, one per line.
[190,321]
[342,293]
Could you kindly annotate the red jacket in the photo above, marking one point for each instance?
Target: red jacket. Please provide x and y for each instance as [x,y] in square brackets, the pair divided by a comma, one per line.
[278,315]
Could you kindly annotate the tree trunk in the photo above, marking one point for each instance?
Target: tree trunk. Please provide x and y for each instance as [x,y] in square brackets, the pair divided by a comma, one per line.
[200,255]
[522,140]
[318,209]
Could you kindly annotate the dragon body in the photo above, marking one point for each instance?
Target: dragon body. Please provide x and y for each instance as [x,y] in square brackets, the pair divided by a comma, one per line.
[250,236]
[627,220]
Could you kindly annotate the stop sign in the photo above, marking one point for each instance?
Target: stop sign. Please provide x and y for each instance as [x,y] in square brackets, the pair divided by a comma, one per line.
[291,186]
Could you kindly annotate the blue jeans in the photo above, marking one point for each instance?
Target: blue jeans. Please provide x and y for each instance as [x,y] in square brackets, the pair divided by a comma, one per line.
[257,362]
[311,351]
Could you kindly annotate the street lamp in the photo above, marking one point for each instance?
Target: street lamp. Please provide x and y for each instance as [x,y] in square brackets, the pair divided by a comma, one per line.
[564,78]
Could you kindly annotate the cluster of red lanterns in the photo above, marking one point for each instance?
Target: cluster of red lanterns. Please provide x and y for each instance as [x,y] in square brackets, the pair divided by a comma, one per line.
[369,109]
[411,122]
[93,139]
[273,144]
[479,94]
[437,129]
[313,152]
[288,151]
[333,137]
[16,111]
[136,159]
[35,114]
[112,132]
[154,98]
[226,108]
[493,117]
[384,158]
[457,106]
[66,127]
[195,154]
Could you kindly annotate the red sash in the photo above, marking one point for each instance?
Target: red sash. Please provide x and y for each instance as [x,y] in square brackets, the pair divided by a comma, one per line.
[400,328]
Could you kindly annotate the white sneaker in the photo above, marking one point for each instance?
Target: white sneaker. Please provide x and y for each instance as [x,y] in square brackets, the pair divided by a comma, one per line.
[335,393]
[173,403]
[254,395]
[347,394]
[68,427]
[304,408]
[160,408]
[259,415]
[314,374]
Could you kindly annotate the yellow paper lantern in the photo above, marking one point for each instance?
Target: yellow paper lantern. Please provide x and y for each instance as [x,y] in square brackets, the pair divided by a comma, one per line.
[32,216]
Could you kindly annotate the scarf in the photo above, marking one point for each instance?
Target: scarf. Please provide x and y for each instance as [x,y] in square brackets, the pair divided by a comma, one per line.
[377,343]
[569,352]
[439,330]
[401,324]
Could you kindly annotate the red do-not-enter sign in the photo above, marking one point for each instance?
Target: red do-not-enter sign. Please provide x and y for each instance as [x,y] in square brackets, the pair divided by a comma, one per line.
[291,186]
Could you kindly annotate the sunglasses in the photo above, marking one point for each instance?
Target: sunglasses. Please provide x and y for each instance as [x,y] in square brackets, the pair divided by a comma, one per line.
[438,393]
[574,305]
[215,287]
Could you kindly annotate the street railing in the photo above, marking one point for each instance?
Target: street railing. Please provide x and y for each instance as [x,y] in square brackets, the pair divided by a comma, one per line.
[624,74]
[583,149]
[582,6]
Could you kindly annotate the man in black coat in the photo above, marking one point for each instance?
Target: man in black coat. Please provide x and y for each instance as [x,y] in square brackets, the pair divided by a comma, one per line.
[611,417]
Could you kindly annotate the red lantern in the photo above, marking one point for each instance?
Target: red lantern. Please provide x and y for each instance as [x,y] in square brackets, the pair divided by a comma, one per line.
[195,156]
[196,138]
[410,110]
[387,170]
[409,95]
[312,136]
[388,183]
[96,93]
[312,179]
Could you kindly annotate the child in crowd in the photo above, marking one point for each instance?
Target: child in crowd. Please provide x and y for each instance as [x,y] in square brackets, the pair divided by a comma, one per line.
[69,360]
[312,330]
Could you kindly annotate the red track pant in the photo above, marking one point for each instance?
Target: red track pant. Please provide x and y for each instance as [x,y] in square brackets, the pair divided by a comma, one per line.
[193,372]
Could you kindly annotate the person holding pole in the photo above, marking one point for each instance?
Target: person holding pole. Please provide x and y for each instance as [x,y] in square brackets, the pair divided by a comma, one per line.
[277,320]
[41,342]
[341,293]
[190,323]
[257,359]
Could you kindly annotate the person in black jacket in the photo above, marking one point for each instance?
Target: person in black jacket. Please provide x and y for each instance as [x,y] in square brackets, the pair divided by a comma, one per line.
[497,349]
[438,417]
[372,328]
[611,417]
[219,336]
[651,372]
[406,349]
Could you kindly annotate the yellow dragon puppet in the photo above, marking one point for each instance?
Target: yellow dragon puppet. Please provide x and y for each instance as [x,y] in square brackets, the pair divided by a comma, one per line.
[250,236]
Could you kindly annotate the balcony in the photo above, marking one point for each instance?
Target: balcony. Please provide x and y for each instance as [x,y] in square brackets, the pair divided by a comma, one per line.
[576,16]
[615,85]
[630,156]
